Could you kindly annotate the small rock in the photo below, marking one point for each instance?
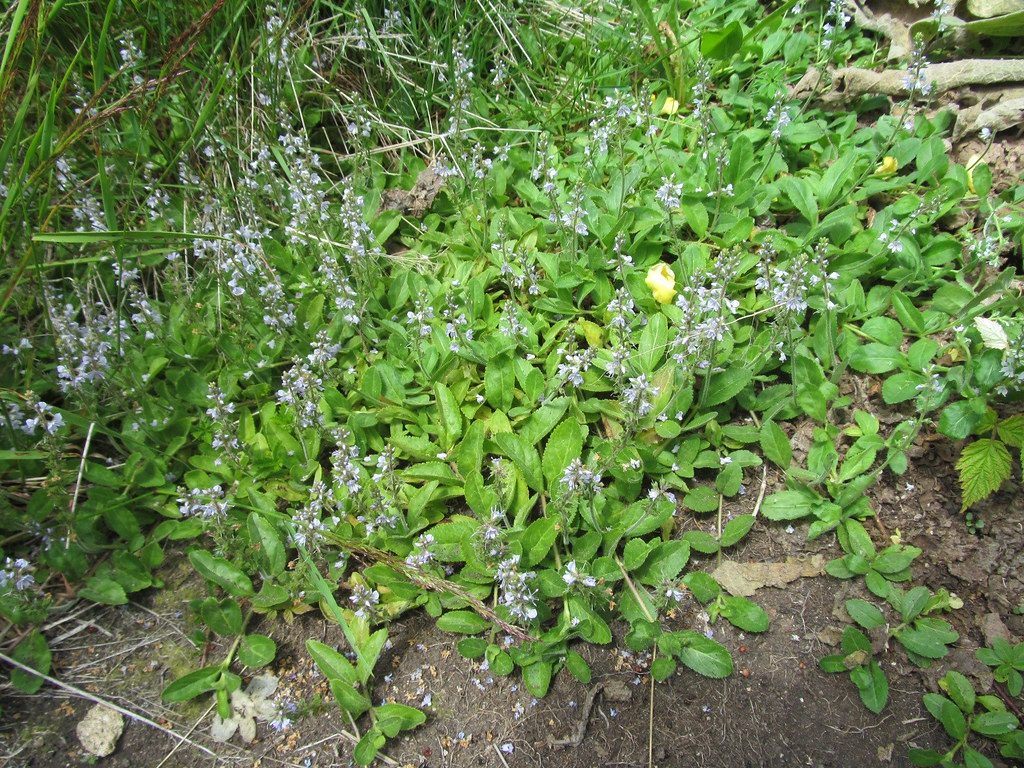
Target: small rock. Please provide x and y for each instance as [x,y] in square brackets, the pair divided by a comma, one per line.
[99,730]
[617,691]
[992,627]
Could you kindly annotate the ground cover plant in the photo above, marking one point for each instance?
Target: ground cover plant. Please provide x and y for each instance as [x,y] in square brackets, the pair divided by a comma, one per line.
[470,311]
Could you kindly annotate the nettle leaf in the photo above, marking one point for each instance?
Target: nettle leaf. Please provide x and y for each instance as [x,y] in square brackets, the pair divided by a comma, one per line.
[983,466]
[1011,430]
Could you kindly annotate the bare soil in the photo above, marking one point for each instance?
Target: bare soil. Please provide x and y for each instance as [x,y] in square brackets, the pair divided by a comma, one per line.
[777,709]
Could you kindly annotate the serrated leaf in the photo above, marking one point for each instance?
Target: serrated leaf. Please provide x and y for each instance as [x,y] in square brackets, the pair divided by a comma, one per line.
[865,614]
[983,466]
[725,385]
[993,335]
[1011,430]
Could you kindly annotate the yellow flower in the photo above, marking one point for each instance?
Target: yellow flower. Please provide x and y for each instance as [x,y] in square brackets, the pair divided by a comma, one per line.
[662,282]
[971,165]
[887,167]
[670,107]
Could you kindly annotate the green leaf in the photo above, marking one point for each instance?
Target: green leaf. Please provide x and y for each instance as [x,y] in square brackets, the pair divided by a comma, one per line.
[736,529]
[788,505]
[801,194]
[663,668]
[702,499]
[564,445]
[193,684]
[959,419]
[348,698]
[725,385]
[983,466]
[865,614]
[449,417]
[34,652]
[366,750]
[104,590]
[995,723]
[222,572]
[653,342]
[959,689]
[472,647]
[392,719]
[256,650]
[702,585]
[578,667]
[538,540]
[872,685]
[537,678]
[463,622]
[854,640]
[702,542]
[947,713]
[775,445]
[499,380]
[923,643]
[664,563]
[722,44]
[876,358]
[332,664]
[744,614]
[524,456]
[1011,430]
[222,616]
[901,387]
[705,657]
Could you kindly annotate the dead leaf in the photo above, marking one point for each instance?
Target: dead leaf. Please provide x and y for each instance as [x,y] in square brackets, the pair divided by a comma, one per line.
[746,578]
